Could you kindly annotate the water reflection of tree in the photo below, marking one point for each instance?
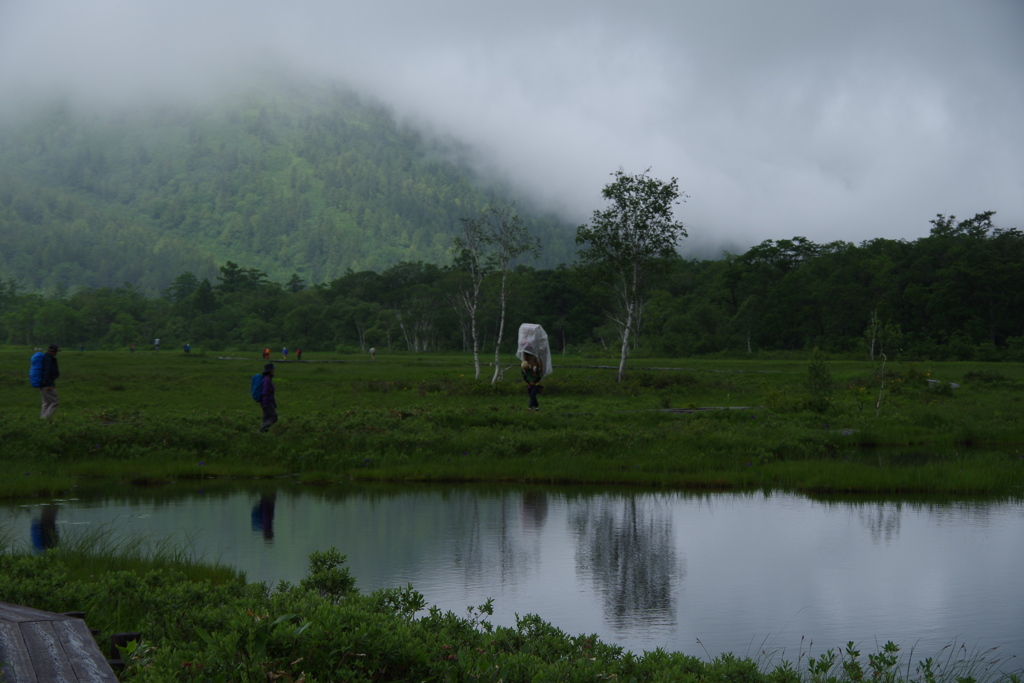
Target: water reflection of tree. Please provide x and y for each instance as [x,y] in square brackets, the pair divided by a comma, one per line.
[488,540]
[534,510]
[882,521]
[627,548]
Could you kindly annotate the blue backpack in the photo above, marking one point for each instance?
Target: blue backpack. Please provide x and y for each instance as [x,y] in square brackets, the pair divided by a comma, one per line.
[256,388]
[35,370]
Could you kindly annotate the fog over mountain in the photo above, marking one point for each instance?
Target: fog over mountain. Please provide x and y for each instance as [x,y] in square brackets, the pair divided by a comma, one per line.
[828,120]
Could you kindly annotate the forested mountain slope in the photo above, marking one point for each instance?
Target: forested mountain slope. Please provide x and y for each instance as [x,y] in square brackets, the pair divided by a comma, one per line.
[294,179]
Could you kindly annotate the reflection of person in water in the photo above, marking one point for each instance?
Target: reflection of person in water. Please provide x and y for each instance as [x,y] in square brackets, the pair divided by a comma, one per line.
[44,529]
[263,516]
[534,509]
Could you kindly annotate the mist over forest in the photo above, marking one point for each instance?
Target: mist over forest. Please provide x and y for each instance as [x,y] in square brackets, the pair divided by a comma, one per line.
[289,178]
[164,173]
[833,122]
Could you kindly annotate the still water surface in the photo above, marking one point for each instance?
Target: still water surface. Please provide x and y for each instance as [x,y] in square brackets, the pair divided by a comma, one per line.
[698,573]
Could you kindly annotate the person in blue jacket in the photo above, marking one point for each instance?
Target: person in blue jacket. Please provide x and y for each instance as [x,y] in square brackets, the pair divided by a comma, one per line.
[48,389]
[268,402]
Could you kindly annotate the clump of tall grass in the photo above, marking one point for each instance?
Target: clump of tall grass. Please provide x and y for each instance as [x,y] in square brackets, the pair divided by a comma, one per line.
[93,551]
[986,377]
[819,383]
[954,663]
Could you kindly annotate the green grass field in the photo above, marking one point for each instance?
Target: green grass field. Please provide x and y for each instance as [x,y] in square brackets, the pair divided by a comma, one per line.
[819,427]
[825,427]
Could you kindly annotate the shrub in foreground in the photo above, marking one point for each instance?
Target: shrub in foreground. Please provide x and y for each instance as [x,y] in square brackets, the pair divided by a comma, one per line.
[324,630]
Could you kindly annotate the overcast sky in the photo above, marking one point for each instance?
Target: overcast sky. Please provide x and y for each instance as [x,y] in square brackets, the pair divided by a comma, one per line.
[825,119]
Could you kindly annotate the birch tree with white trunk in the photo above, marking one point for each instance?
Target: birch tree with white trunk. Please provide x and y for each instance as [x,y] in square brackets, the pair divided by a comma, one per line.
[468,251]
[510,239]
[632,240]
[489,245]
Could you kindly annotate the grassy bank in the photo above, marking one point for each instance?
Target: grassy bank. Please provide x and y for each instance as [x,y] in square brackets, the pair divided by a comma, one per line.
[204,623]
[816,426]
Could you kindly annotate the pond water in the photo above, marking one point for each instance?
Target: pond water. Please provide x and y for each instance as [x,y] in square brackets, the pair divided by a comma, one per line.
[697,573]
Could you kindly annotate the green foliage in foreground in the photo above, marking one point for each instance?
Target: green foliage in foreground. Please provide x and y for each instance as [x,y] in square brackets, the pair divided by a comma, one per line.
[823,427]
[208,628]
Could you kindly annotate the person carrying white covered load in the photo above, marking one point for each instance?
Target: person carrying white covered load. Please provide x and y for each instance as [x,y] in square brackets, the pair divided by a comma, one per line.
[532,375]
[535,353]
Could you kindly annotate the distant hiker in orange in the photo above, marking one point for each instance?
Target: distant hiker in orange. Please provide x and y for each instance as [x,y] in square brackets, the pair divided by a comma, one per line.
[266,353]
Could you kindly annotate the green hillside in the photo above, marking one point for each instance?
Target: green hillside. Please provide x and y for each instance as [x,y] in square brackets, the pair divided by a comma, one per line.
[297,179]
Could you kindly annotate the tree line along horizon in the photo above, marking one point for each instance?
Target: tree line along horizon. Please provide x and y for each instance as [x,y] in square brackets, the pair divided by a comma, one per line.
[955,294]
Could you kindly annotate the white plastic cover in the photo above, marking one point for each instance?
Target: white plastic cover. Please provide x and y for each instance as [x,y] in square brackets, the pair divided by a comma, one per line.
[534,341]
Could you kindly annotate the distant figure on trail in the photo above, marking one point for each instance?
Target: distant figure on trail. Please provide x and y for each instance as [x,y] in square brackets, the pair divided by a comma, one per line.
[268,402]
[284,353]
[373,353]
[50,373]
[188,348]
[266,353]
[131,348]
[81,348]
[298,353]
[156,344]
[532,375]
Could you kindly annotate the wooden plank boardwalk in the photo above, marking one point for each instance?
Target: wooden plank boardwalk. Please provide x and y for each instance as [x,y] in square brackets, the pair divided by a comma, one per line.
[48,648]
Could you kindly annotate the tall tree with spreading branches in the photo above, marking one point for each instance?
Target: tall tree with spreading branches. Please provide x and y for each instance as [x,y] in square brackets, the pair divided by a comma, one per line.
[631,240]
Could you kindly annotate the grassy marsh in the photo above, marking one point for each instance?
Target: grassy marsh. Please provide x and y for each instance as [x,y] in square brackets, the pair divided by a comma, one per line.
[145,417]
